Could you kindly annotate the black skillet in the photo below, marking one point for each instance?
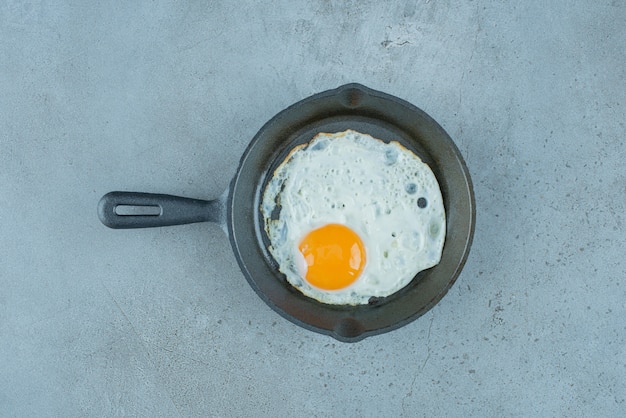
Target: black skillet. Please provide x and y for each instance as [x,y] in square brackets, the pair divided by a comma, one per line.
[351,106]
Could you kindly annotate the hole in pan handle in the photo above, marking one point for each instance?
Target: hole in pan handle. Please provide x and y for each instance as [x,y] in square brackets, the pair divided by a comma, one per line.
[124,210]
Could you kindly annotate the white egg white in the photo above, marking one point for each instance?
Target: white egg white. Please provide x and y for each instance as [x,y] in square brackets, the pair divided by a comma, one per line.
[370,186]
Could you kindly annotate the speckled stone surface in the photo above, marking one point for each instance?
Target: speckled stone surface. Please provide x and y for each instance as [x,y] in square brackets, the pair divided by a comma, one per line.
[164,97]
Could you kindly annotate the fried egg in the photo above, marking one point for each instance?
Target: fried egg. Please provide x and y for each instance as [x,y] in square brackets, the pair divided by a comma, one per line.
[350,217]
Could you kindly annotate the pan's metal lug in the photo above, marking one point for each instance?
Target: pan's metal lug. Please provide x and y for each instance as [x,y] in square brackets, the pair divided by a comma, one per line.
[352,95]
[348,330]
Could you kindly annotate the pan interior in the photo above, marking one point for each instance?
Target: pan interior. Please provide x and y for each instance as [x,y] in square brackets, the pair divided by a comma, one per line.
[374,127]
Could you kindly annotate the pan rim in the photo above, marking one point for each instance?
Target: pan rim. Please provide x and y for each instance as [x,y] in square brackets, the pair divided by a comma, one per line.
[346,323]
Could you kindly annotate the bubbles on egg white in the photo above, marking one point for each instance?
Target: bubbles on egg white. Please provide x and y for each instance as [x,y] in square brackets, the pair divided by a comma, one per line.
[434,229]
[391,156]
[411,188]
[320,145]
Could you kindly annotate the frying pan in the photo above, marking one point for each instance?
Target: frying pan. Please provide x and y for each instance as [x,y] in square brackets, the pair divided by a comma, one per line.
[351,106]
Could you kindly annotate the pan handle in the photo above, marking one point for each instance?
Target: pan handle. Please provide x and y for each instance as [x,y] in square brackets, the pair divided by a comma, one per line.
[124,210]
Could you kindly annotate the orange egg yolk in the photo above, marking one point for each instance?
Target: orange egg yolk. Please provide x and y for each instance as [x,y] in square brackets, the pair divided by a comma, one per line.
[335,256]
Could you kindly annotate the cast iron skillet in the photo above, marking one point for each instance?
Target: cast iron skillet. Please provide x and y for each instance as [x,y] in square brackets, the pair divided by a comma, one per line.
[351,106]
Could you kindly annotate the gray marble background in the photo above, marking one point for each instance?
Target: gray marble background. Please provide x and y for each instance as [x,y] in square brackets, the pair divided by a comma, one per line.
[164,97]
